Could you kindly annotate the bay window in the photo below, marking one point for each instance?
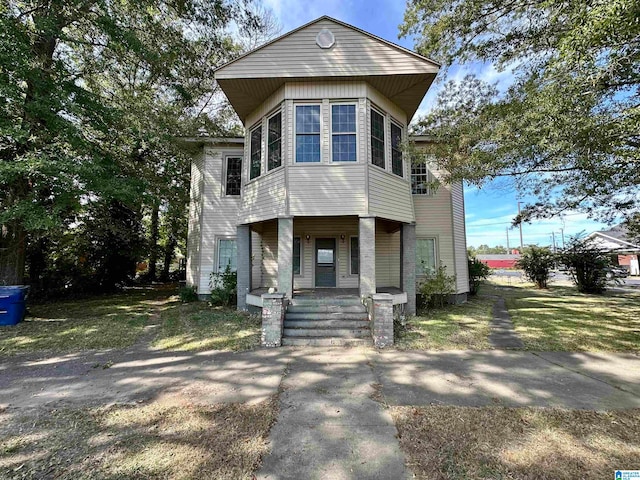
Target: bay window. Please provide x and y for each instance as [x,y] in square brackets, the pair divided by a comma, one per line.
[307,133]
[343,133]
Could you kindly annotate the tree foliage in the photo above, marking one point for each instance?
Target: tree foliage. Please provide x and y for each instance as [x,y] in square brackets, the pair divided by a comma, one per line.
[92,95]
[568,129]
[478,272]
[587,264]
[537,263]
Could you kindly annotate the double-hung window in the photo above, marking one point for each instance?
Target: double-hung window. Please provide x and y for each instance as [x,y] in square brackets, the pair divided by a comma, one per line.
[307,133]
[274,142]
[233,179]
[420,179]
[227,255]
[256,153]
[343,133]
[396,149]
[426,262]
[377,139]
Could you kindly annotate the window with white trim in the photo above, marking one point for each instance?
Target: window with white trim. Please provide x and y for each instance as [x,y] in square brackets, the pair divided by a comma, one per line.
[396,149]
[377,139]
[307,133]
[421,179]
[227,254]
[297,256]
[256,153]
[274,141]
[354,255]
[343,133]
[233,173]
[426,259]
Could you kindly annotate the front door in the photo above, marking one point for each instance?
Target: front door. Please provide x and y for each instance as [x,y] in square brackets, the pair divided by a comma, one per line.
[325,262]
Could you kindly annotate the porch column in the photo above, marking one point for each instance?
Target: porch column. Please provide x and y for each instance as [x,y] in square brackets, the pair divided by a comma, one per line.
[367,243]
[243,244]
[285,256]
[408,266]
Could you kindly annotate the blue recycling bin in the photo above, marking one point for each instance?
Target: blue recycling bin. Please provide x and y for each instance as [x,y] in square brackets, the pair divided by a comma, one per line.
[12,304]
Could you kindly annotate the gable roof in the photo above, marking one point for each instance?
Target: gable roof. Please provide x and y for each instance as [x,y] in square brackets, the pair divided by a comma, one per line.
[398,73]
[616,235]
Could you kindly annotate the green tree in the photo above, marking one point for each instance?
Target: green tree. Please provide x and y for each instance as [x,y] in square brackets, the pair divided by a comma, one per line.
[566,131]
[537,263]
[587,264]
[92,94]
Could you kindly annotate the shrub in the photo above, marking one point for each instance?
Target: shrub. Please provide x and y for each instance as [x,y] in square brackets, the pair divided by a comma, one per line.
[587,265]
[224,287]
[478,272]
[437,288]
[537,263]
[188,294]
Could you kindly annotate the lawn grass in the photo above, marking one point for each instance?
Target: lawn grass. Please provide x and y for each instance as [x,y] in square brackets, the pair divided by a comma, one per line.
[454,327]
[153,441]
[100,322]
[561,319]
[445,442]
[197,326]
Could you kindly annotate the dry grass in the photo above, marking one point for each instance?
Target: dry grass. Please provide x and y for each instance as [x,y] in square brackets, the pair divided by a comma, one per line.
[108,321]
[454,327]
[517,443]
[561,319]
[154,441]
[197,326]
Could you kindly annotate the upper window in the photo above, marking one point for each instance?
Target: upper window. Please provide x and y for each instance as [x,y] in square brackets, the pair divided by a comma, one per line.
[227,255]
[420,179]
[426,256]
[256,153]
[307,133]
[274,142]
[343,133]
[234,176]
[377,139]
[354,255]
[396,149]
[296,255]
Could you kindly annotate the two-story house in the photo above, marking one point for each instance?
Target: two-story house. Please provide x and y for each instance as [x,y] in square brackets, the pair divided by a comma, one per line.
[317,199]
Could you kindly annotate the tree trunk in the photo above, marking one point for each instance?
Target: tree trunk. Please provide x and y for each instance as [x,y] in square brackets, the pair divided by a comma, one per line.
[12,254]
[169,251]
[153,242]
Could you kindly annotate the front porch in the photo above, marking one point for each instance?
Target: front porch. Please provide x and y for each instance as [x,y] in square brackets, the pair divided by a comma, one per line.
[399,297]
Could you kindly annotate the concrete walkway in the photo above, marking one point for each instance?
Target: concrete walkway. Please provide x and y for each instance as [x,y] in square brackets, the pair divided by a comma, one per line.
[329,425]
[503,335]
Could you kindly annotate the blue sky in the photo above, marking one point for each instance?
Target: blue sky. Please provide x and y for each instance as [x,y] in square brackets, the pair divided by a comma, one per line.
[488,211]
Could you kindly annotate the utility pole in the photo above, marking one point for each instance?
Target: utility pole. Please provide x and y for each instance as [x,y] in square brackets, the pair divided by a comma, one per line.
[553,236]
[507,239]
[520,224]
[562,233]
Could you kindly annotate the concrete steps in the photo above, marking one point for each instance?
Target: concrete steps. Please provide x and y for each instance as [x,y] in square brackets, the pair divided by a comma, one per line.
[326,321]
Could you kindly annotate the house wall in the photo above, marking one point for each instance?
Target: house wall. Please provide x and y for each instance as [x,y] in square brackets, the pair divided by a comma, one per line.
[195,219]
[218,213]
[353,54]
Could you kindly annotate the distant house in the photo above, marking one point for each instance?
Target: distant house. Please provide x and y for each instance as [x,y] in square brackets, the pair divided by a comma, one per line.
[499,260]
[317,198]
[617,241]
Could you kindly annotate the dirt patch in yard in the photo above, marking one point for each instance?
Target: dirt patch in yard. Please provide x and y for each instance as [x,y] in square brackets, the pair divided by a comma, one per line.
[169,439]
[443,442]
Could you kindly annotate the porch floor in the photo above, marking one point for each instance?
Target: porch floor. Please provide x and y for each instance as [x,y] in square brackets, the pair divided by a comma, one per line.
[329,292]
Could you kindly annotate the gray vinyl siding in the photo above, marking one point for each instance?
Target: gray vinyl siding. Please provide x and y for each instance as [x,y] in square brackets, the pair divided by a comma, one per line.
[387,259]
[264,197]
[195,219]
[219,213]
[296,55]
[459,237]
[337,189]
[389,196]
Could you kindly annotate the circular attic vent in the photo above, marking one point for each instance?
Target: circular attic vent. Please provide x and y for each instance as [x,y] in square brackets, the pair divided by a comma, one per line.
[325,38]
